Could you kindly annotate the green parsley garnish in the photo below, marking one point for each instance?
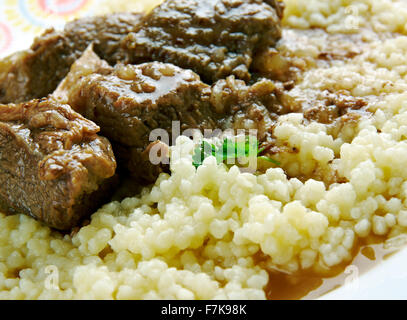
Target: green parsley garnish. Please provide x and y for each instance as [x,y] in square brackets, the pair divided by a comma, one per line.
[229,151]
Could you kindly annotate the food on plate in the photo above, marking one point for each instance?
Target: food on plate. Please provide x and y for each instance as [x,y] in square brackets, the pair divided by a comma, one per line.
[88,63]
[321,83]
[132,100]
[54,167]
[36,72]
[213,38]
[128,102]
[243,106]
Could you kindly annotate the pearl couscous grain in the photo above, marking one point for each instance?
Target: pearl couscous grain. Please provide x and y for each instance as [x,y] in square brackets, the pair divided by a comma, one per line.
[197,233]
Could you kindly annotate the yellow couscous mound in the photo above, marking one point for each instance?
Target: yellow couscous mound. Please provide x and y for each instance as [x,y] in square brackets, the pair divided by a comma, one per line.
[198,233]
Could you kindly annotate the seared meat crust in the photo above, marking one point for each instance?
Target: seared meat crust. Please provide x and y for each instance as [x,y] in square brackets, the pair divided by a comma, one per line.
[53,165]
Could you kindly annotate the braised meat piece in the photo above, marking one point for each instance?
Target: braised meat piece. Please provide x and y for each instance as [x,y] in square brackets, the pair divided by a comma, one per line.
[132,101]
[53,165]
[87,64]
[214,38]
[242,106]
[35,73]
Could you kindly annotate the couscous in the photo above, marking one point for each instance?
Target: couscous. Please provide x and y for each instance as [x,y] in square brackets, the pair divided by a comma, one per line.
[214,232]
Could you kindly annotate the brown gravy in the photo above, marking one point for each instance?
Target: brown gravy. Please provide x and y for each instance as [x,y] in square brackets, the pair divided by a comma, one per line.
[308,285]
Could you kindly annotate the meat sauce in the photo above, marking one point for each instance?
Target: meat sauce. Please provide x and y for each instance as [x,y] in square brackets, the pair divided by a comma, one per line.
[306,284]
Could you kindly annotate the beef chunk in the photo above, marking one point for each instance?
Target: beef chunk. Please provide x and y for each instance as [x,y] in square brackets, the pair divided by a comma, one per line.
[53,165]
[214,38]
[35,73]
[132,101]
[87,64]
[247,107]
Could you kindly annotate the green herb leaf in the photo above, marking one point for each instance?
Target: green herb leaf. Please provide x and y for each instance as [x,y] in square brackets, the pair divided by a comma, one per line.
[270,160]
[229,151]
[203,151]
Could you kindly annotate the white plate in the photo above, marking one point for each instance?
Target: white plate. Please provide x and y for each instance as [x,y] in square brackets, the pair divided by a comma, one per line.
[386,281]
